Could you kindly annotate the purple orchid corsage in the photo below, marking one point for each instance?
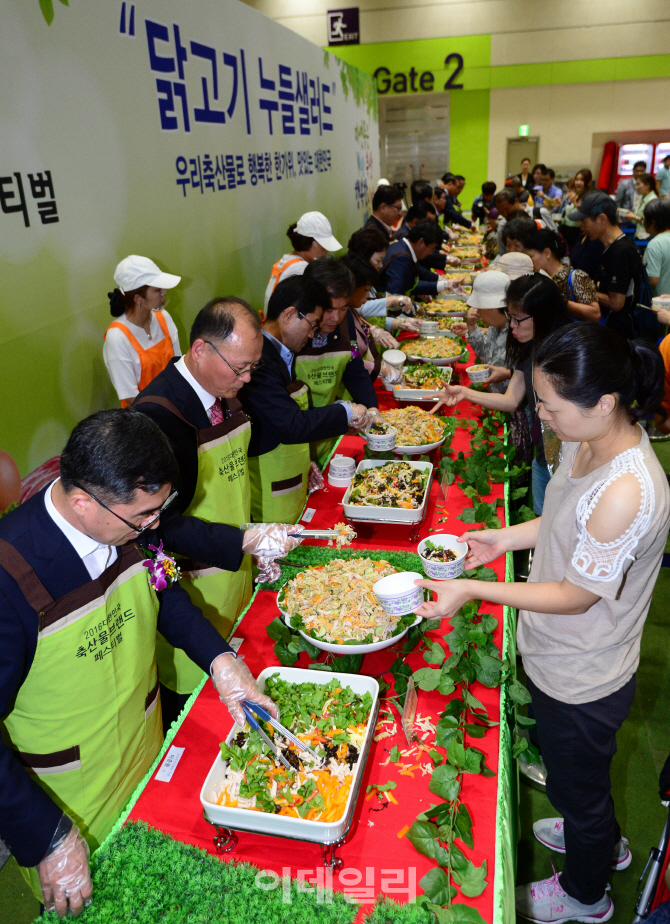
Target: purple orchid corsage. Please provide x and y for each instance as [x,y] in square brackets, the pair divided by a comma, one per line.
[163,570]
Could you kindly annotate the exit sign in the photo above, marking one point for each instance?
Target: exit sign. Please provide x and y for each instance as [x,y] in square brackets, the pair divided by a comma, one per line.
[524,131]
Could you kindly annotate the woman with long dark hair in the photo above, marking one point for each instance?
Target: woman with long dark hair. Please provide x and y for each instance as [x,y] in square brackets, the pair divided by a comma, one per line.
[547,249]
[598,550]
[535,308]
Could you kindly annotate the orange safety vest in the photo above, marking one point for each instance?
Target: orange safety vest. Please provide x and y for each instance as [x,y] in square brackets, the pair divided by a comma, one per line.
[152,360]
[277,270]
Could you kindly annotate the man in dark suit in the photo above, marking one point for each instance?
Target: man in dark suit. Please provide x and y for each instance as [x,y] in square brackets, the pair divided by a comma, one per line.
[283,423]
[194,402]
[386,210]
[78,620]
[451,213]
[401,273]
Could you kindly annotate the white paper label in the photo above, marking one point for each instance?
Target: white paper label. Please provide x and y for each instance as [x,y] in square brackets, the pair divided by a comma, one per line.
[235,643]
[308,514]
[169,765]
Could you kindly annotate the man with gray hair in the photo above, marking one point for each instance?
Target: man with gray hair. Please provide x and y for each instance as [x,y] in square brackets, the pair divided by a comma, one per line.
[194,402]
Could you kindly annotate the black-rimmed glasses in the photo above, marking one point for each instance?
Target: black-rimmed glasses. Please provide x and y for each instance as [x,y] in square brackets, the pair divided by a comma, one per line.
[136,529]
[315,327]
[238,372]
[514,320]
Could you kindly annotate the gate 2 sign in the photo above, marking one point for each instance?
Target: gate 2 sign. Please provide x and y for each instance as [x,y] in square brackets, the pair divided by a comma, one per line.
[402,82]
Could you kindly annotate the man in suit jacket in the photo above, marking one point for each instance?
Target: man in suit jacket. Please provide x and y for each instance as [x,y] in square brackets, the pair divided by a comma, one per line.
[282,422]
[386,210]
[78,625]
[401,273]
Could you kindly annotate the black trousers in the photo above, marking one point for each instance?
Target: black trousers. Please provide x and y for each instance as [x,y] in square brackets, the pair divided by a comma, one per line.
[578,743]
[171,704]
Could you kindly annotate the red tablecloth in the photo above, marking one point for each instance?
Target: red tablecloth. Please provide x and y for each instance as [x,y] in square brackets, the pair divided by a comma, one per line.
[377,857]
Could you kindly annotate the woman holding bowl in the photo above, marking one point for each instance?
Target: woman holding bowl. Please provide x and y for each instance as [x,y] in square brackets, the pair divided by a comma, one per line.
[598,550]
[535,308]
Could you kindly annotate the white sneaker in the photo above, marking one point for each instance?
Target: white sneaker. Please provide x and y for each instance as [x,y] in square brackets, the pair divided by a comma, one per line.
[545,902]
[550,832]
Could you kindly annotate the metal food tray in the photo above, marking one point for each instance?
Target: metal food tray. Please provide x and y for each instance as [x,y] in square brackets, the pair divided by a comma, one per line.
[318,832]
[397,516]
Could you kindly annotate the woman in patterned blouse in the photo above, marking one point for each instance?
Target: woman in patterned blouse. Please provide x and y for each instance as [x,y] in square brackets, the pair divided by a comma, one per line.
[547,249]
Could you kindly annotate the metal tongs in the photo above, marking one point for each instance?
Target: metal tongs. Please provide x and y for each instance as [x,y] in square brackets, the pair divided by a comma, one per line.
[265,716]
[317,533]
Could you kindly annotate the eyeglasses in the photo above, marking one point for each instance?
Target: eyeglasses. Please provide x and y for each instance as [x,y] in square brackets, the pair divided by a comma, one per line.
[238,372]
[136,529]
[398,208]
[512,320]
[315,327]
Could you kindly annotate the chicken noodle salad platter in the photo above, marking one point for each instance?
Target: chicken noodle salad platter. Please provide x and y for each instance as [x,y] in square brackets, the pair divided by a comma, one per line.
[419,381]
[334,608]
[247,789]
[446,307]
[389,492]
[418,431]
[441,351]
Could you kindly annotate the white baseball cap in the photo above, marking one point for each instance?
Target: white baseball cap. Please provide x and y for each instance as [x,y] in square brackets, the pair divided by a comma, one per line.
[316,225]
[515,264]
[488,290]
[135,272]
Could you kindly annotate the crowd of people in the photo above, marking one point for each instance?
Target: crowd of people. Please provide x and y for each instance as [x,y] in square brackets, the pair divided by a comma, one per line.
[213,452]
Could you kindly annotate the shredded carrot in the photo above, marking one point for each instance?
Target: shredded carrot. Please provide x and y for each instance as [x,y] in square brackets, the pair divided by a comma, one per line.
[403,831]
[391,798]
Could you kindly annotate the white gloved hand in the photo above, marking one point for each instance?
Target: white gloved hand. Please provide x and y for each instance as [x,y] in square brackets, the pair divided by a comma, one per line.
[360,419]
[234,682]
[383,338]
[406,324]
[64,873]
[315,478]
[268,541]
[404,302]
[453,261]
[390,375]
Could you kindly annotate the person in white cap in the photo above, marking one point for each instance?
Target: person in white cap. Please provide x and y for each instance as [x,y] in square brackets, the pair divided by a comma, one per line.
[486,302]
[144,339]
[311,237]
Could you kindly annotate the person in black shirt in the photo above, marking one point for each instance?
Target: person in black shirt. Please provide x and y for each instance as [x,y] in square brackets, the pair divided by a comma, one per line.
[620,271]
[484,203]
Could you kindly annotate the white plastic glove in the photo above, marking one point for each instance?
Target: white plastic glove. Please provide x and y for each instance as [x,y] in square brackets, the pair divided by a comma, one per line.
[404,302]
[406,324]
[360,417]
[268,541]
[315,478]
[453,261]
[390,375]
[383,338]
[64,873]
[234,682]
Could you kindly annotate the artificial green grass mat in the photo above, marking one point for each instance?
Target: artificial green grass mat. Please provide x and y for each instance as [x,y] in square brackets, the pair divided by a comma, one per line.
[144,876]
[386,911]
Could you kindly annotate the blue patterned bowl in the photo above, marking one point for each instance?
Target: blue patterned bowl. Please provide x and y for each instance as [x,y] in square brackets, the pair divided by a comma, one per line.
[398,595]
[444,570]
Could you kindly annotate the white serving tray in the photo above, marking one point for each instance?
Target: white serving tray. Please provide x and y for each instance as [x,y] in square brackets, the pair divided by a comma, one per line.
[334,648]
[418,450]
[320,832]
[388,514]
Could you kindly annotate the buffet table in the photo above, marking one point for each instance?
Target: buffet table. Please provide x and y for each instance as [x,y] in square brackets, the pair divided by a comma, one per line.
[378,859]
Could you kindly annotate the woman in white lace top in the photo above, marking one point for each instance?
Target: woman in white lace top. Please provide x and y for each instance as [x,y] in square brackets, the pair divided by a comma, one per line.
[598,549]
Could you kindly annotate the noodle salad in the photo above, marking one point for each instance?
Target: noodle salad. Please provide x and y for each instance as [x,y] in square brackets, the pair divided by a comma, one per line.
[334,602]
[427,377]
[438,348]
[415,426]
[332,719]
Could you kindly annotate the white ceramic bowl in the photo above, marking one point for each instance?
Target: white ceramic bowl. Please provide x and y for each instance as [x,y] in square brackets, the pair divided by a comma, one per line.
[394,358]
[444,570]
[477,373]
[398,595]
[417,450]
[428,327]
[381,442]
[339,482]
[333,648]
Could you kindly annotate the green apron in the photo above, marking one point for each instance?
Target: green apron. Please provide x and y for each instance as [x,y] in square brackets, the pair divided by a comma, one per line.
[222,495]
[279,477]
[369,352]
[86,723]
[322,369]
